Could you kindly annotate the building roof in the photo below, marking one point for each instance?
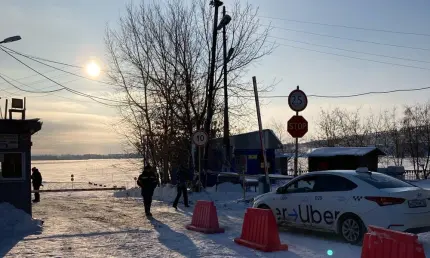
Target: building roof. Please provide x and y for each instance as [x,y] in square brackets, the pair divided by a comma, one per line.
[290,155]
[344,151]
[251,140]
[18,126]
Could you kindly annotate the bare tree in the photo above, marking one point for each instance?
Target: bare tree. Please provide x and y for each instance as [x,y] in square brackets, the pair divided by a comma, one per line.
[402,138]
[392,140]
[339,127]
[159,59]
[416,128]
[280,129]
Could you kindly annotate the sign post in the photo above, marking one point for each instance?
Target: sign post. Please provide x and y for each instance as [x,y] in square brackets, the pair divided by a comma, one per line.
[297,125]
[244,165]
[260,129]
[200,138]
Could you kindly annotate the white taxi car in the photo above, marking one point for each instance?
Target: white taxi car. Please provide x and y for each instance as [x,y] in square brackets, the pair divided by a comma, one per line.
[345,202]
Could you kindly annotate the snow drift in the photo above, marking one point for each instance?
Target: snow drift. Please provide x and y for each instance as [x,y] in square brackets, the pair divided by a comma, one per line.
[167,193]
[14,221]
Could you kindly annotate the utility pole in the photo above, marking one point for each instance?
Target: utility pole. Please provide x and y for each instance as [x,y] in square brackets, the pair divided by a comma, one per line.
[216,4]
[226,119]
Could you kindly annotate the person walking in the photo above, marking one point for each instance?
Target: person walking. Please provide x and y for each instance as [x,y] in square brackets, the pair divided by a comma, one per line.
[148,181]
[182,176]
[36,177]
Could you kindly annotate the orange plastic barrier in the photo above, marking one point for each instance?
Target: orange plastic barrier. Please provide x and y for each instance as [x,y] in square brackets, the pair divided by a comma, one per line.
[385,243]
[205,218]
[259,231]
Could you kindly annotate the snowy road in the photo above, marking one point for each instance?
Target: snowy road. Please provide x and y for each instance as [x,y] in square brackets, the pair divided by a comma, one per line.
[99,225]
[104,226]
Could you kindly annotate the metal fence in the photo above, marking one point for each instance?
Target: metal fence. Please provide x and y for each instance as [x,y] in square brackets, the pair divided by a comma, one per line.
[415,175]
[96,185]
[409,174]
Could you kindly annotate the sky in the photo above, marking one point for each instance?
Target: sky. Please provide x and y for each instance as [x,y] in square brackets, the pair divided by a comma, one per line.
[73,32]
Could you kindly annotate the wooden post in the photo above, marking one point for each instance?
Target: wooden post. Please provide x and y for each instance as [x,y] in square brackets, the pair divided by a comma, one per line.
[260,128]
[244,184]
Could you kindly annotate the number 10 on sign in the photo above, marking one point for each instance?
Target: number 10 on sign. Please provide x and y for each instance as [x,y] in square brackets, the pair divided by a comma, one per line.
[200,138]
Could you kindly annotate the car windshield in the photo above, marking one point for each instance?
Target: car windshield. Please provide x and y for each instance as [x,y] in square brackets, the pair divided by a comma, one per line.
[382,181]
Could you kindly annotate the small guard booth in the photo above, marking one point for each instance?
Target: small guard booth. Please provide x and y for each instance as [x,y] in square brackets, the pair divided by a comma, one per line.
[15,160]
[246,153]
[344,158]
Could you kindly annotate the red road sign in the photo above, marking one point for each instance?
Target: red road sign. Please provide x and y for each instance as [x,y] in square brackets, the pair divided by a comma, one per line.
[297,126]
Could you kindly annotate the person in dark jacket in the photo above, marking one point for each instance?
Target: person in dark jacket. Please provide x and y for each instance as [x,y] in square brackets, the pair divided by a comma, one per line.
[36,177]
[148,181]
[182,176]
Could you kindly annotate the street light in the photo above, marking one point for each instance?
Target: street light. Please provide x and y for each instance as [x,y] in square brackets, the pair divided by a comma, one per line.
[224,21]
[11,39]
[216,4]
[222,25]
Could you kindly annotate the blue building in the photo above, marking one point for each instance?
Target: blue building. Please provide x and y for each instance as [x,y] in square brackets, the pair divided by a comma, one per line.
[15,161]
[246,153]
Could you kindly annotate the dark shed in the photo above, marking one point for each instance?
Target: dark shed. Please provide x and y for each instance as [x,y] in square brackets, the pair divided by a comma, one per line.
[337,158]
[15,161]
[246,153]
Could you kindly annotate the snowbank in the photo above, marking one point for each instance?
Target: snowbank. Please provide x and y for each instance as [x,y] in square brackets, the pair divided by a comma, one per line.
[226,187]
[14,221]
[165,192]
[225,192]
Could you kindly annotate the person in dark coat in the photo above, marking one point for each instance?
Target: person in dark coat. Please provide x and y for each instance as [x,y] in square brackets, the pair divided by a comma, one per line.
[148,181]
[36,177]
[182,176]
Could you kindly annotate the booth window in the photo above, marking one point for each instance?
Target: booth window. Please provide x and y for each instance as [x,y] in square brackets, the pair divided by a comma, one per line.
[11,166]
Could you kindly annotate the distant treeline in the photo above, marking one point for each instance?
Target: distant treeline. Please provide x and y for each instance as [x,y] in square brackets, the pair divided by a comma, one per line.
[84,156]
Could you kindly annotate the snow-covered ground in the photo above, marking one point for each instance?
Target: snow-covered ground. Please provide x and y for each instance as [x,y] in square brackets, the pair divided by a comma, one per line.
[100,225]
[107,224]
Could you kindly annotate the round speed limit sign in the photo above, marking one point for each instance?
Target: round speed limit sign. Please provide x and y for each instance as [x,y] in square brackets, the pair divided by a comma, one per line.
[297,100]
[200,138]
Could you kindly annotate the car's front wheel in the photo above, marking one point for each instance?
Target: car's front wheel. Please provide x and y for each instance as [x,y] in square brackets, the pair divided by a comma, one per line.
[352,229]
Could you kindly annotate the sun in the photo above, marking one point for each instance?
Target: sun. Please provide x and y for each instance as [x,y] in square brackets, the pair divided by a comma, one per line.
[93,69]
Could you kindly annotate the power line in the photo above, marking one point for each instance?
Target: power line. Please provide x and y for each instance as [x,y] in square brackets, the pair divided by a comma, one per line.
[8,92]
[353,57]
[65,64]
[29,91]
[59,84]
[46,60]
[36,82]
[349,50]
[347,96]
[348,27]
[34,75]
[311,95]
[307,49]
[37,92]
[59,69]
[350,39]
